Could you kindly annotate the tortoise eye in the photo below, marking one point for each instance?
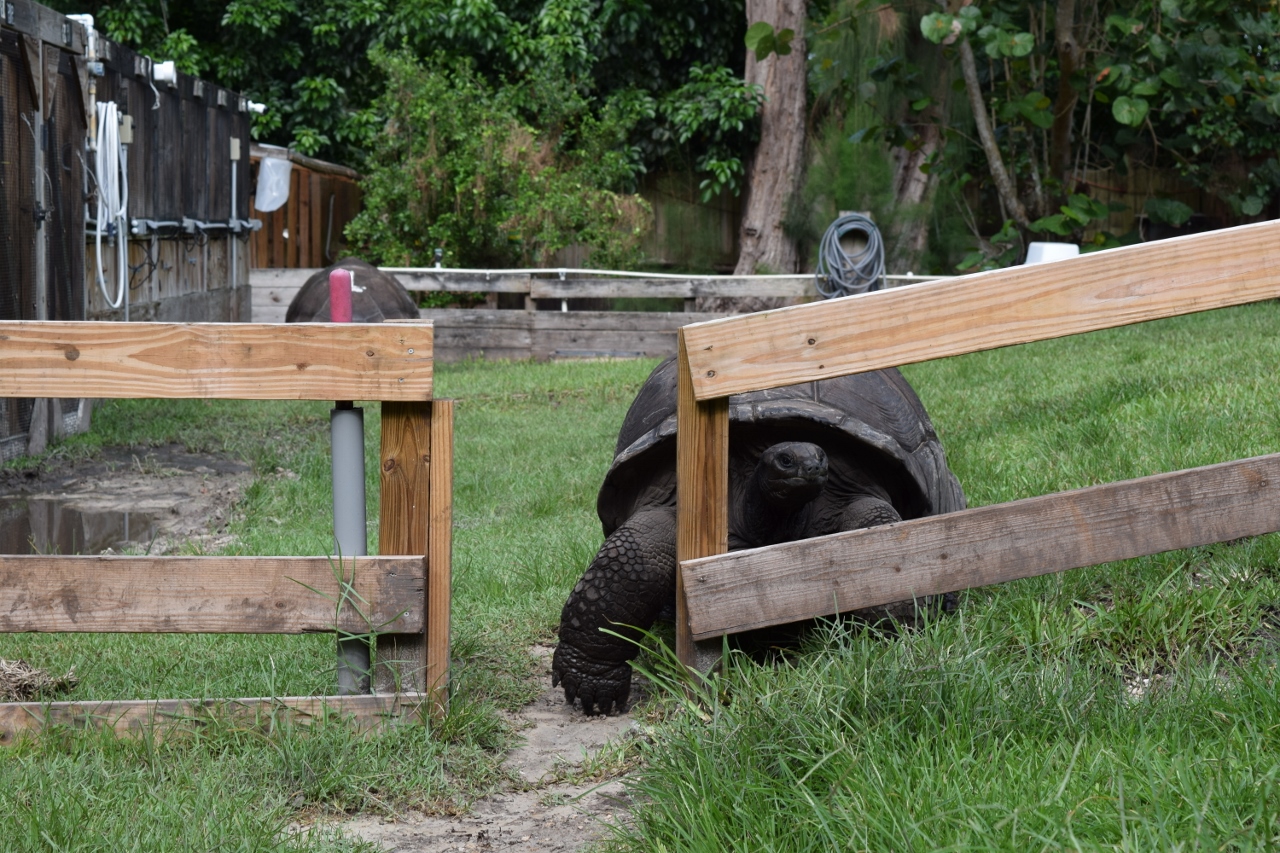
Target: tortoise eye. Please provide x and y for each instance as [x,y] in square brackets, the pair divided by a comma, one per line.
[785,460]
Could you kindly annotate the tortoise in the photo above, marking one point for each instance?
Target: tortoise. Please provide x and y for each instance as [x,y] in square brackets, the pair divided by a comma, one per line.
[804,460]
[375,296]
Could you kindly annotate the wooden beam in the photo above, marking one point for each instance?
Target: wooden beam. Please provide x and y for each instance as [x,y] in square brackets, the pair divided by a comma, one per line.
[985,311]
[702,496]
[132,718]
[404,513]
[577,288]
[302,361]
[440,556]
[977,547]
[425,280]
[214,595]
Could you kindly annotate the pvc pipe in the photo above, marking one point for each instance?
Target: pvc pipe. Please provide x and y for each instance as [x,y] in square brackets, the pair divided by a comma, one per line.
[346,436]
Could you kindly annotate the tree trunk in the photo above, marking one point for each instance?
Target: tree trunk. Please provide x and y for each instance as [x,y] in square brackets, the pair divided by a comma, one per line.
[1070,55]
[1004,184]
[912,193]
[778,163]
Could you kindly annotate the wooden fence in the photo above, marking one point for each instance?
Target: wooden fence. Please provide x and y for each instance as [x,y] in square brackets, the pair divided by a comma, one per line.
[308,230]
[404,599]
[721,593]
[547,334]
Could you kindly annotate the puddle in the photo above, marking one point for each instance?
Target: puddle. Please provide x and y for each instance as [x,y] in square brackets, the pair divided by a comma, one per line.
[45,526]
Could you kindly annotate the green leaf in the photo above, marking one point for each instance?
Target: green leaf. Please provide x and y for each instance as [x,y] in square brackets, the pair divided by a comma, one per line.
[936,26]
[1251,206]
[921,104]
[782,41]
[1130,111]
[1167,211]
[1171,76]
[757,31]
[1023,44]
[1150,86]
[971,260]
[1055,224]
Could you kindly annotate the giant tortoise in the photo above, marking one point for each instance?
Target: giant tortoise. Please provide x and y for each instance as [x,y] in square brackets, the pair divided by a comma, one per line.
[805,460]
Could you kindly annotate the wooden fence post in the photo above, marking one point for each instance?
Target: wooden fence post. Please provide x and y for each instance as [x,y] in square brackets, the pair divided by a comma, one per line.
[403,524]
[416,518]
[702,497]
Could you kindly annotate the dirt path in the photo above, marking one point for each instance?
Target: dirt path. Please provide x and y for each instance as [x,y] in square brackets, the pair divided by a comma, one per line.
[547,816]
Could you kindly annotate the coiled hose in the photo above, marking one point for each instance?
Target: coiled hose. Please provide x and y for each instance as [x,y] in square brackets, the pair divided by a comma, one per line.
[111,169]
[842,274]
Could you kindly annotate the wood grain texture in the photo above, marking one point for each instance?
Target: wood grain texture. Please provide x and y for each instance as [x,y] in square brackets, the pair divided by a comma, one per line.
[440,556]
[133,718]
[302,361]
[984,311]
[976,547]
[702,492]
[214,595]
[648,288]
[404,515]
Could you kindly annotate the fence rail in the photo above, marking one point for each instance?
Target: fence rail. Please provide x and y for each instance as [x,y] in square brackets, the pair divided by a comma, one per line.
[542,335]
[719,593]
[403,601]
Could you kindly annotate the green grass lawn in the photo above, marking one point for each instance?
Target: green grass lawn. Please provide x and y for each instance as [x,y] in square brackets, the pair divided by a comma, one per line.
[1126,706]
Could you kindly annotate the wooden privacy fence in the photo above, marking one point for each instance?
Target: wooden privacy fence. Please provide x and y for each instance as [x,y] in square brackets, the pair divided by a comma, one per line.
[519,334]
[402,600]
[721,593]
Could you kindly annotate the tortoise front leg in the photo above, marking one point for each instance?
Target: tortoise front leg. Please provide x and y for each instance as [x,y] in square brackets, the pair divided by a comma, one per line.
[626,585]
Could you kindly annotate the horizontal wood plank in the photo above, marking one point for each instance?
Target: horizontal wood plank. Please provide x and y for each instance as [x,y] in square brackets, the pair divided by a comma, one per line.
[425,280]
[132,718]
[984,311]
[217,595]
[786,583]
[245,361]
[642,288]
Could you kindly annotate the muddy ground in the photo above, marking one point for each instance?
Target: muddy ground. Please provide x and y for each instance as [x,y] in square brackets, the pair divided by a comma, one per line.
[180,503]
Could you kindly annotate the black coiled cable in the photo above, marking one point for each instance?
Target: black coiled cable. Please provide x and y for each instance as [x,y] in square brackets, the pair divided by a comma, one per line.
[841,274]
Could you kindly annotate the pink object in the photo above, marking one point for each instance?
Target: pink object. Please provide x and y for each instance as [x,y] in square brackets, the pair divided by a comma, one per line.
[340,296]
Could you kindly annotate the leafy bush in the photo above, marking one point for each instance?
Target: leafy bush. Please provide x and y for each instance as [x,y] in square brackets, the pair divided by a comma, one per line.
[459,165]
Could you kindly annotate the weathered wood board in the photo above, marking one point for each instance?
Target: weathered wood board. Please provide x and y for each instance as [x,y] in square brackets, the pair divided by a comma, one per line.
[977,547]
[217,595]
[303,361]
[136,717]
[984,311]
[702,513]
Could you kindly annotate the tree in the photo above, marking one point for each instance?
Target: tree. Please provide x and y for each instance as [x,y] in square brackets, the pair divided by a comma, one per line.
[777,165]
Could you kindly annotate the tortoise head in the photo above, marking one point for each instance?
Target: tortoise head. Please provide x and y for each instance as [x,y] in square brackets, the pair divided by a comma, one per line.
[791,473]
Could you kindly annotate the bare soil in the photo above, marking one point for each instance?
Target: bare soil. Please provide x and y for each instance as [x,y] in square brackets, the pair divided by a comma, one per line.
[188,497]
[542,813]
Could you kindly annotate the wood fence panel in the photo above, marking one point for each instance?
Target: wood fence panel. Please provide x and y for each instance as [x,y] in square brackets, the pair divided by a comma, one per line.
[985,311]
[142,717]
[303,361]
[440,555]
[218,595]
[977,547]
[614,288]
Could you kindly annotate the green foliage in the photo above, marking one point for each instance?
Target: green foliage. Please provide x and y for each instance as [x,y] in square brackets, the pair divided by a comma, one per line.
[762,40]
[458,166]
[717,109]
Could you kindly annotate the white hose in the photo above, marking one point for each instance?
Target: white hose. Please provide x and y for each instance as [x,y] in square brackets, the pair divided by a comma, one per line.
[110,165]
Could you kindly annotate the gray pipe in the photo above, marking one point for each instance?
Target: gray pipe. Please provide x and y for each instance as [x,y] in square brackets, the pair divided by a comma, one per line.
[346,432]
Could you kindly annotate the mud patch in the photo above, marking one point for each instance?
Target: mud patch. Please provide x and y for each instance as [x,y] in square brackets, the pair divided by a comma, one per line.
[538,813]
[181,502]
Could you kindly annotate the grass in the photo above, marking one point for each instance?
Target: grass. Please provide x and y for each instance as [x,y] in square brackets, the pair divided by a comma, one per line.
[1126,706]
